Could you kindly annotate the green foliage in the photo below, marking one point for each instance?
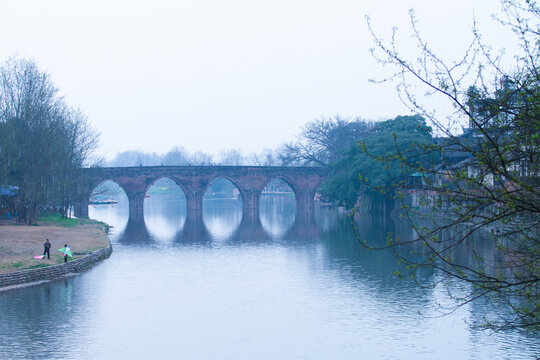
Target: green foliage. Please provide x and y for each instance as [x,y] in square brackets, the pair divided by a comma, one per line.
[375,162]
[488,177]
[58,220]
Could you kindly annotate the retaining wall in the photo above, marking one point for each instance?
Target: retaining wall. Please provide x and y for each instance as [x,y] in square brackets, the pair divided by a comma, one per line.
[54,271]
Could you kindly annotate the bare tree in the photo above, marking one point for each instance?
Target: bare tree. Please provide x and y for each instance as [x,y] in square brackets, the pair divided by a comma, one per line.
[79,145]
[489,175]
[267,157]
[323,141]
[176,156]
[200,158]
[231,157]
[43,141]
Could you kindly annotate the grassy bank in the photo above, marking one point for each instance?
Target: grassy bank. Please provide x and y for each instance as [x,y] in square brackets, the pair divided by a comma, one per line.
[20,243]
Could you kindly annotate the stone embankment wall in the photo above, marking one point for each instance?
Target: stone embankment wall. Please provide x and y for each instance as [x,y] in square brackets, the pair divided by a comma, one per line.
[54,271]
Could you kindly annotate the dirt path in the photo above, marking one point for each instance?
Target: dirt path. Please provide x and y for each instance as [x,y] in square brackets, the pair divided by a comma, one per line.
[20,243]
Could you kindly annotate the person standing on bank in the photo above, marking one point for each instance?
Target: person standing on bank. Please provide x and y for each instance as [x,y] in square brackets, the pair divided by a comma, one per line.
[67,252]
[46,249]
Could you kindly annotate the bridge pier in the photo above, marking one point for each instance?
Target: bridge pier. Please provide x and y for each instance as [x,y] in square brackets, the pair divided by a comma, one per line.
[250,200]
[304,227]
[305,199]
[136,204]
[194,201]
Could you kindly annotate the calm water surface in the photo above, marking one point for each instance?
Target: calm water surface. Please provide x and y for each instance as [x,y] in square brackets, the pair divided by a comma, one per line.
[242,286]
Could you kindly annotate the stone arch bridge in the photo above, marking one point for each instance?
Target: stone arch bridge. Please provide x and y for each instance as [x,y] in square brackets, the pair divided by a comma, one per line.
[194,180]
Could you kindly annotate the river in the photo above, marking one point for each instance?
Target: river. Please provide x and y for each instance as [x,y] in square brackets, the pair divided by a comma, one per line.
[274,286]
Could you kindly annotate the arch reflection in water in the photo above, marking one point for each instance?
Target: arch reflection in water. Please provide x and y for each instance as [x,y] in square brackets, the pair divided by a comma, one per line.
[164,210]
[195,231]
[277,207]
[222,209]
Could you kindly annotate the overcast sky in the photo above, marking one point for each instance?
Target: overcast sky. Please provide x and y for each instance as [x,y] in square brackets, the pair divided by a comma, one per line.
[212,75]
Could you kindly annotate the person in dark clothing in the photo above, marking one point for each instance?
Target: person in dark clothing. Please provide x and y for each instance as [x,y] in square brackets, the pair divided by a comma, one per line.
[47,248]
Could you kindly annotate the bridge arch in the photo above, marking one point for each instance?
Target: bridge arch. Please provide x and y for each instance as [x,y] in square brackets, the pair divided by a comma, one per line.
[164,219]
[285,180]
[218,177]
[96,187]
[227,190]
[169,177]
[248,192]
[99,182]
[193,180]
[80,206]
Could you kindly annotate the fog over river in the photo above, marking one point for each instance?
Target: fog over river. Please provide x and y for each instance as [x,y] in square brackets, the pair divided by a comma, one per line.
[273,285]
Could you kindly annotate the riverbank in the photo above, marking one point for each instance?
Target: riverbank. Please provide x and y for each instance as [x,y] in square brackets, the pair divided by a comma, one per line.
[20,243]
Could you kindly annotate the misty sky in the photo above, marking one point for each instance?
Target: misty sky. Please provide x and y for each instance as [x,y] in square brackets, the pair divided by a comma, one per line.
[212,75]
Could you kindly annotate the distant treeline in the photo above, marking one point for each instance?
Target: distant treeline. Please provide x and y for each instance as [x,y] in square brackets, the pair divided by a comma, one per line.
[319,143]
[180,156]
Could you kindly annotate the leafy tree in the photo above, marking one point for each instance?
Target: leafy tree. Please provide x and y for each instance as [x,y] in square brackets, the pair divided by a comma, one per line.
[489,176]
[361,172]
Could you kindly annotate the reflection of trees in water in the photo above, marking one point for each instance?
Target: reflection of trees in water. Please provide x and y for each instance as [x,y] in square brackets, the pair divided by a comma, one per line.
[330,242]
[342,246]
[373,269]
[478,249]
[481,252]
[304,228]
